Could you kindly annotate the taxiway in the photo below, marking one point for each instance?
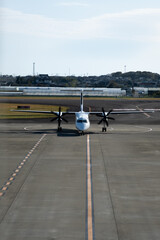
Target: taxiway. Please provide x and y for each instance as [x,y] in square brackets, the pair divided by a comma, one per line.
[63,186]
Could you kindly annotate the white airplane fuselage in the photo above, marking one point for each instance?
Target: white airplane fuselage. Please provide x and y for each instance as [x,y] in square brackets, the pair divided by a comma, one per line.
[82,121]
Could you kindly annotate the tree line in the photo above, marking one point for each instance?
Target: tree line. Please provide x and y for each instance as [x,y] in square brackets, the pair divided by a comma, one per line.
[113,80]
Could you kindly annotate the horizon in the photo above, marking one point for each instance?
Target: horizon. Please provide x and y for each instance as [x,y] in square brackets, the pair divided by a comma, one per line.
[57,75]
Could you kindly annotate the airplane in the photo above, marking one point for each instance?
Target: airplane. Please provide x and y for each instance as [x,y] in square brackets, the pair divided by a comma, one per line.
[82,122]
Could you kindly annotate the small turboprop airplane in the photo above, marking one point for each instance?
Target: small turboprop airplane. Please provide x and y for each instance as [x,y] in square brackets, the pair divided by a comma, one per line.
[82,118]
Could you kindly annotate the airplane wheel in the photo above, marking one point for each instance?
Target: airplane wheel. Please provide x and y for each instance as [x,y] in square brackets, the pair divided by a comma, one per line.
[59,129]
[81,133]
[104,129]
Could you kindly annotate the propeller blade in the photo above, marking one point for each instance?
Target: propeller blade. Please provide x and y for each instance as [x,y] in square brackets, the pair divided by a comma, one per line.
[109,112]
[64,120]
[53,119]
[103,111]
[59,117]
[99,115]
[101,121]
[105,117]
[111,118]
[55,113]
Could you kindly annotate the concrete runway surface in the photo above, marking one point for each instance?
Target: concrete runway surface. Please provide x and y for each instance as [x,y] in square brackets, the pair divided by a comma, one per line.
[102,186]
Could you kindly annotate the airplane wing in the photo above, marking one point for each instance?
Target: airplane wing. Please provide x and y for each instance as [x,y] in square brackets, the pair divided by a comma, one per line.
[114,111]
[59,116]
[40,111]
[117,111]
[32,111]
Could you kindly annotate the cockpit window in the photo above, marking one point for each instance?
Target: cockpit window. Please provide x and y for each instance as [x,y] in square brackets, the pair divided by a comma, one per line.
[81,121]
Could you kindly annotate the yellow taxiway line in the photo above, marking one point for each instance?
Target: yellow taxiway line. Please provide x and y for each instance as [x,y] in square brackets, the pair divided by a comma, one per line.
[89,214]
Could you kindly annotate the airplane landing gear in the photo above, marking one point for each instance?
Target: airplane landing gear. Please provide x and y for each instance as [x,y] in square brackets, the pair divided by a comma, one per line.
[59,129]
[81,133]
[104,129]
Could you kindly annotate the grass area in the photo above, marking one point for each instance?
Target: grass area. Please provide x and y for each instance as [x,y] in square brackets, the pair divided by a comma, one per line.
[5,108]
[5,112]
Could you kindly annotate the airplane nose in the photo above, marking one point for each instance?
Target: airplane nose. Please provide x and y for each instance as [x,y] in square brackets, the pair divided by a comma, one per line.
[82,127]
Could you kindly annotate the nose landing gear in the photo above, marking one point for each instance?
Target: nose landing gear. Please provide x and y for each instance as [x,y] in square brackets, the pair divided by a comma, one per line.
[81,133]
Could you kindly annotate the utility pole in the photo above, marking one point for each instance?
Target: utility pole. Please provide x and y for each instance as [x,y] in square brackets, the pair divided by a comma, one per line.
[33,69]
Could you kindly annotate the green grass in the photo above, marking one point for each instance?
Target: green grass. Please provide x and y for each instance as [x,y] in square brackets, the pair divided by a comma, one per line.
[5,112]
[5,108]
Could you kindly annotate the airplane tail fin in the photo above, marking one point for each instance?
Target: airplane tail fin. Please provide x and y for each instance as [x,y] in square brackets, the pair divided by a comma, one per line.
[81,101]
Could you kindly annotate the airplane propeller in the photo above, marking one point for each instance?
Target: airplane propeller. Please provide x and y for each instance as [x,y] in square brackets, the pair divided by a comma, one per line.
[105,118]
[59,118]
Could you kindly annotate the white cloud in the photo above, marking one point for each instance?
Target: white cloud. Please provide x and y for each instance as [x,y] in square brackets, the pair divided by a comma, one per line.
[138,25]
[76,4]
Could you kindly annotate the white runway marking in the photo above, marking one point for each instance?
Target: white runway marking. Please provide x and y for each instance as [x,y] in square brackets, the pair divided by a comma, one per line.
[153,109]
[145,128]
[4,188]
[131,129]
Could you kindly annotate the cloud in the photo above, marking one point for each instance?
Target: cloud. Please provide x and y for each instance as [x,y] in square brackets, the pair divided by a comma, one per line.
[138,24]
[135,25]
[72,4]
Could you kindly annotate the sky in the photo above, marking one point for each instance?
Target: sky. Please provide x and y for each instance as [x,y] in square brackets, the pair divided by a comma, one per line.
[79,37]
